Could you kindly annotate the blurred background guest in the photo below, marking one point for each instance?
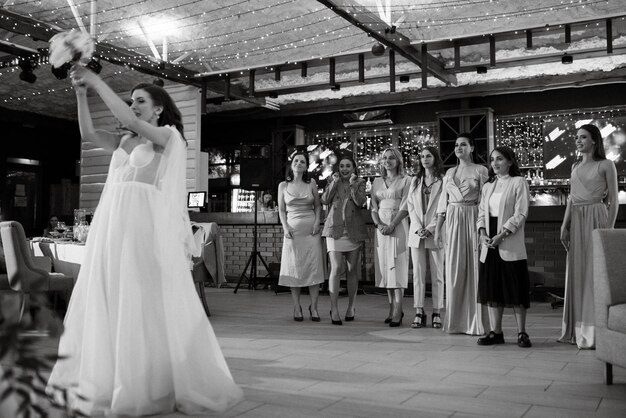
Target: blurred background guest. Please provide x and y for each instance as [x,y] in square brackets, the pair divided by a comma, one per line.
[344,230]
[458,208]
[50,230]
[302,263]
[425,252]
[592,204]
[389,210]
[503,271]
[266,202]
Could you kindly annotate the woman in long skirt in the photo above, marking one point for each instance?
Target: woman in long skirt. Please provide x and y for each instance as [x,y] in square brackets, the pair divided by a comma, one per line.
[136,340]
[503,278]
[389,210]
[458,208]
[592,204]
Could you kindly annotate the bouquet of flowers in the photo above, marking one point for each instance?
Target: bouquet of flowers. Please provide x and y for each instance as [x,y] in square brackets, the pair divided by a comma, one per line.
[69,47]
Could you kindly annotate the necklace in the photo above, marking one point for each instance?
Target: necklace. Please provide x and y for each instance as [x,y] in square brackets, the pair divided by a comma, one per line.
[427,188]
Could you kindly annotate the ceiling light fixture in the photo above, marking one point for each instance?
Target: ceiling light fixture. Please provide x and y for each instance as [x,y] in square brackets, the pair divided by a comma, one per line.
[335,87]
[378,49]
[567,59]
[404,78]
[481,69]
[61,72]
[27,65]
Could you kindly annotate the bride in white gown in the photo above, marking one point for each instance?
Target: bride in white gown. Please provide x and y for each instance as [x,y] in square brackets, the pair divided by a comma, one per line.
[136,338]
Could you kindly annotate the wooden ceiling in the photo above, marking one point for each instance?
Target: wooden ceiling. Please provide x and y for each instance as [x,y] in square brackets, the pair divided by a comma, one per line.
[282,54]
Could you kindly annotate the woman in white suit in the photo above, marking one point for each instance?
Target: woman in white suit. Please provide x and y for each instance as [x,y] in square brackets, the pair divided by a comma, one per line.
[503,271]
[422,206]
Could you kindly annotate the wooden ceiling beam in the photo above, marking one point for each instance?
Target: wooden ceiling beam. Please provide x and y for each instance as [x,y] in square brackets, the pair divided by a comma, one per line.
[352,103]
[554,58]
[379,30]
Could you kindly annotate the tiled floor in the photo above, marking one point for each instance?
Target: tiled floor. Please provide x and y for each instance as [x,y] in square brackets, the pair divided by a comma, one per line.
[366,369]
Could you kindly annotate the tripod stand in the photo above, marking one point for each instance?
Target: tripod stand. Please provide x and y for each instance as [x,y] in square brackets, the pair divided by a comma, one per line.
[252,278]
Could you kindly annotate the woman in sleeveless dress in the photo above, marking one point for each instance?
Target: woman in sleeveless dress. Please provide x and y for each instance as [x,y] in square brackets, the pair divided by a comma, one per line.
[302,260]
[136,338]
[458,208]
[389,212]
[592,204]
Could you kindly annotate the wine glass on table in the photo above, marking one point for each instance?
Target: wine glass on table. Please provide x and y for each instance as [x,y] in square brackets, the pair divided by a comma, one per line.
[61,228]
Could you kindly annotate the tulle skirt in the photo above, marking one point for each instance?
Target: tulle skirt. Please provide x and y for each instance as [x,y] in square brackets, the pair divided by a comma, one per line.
[136,337]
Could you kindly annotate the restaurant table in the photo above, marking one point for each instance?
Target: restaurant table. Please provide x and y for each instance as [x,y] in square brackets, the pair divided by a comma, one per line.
[66,256]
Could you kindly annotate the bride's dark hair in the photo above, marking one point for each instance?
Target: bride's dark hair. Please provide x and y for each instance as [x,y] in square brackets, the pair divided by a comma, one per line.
[170,115]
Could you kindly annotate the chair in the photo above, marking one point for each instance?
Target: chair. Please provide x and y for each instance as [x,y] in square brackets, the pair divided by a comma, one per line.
[24,275]
[609,267]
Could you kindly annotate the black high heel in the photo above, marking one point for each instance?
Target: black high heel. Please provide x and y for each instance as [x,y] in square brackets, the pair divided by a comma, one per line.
[298,318]
[396,324]
[437,323]
[313,318]
[333,321]
[350,318]
[420,320]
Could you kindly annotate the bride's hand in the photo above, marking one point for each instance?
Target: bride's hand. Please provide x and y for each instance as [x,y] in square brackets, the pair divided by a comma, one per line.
[83,77]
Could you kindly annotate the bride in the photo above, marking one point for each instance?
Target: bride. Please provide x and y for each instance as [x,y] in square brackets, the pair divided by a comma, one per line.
[136,338]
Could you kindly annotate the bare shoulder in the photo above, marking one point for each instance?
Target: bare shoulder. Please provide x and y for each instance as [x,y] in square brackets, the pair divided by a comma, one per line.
[482,169]
[607,166]
[282,185]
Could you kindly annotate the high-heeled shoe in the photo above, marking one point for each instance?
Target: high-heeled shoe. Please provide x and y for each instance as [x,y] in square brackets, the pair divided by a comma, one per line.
[298,318]
[436,320]
[396,324]
[420,320]
[350,318]
[333,321]
[313,318]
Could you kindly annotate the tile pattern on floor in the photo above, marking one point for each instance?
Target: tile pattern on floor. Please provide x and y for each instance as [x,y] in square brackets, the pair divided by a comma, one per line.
[366,369]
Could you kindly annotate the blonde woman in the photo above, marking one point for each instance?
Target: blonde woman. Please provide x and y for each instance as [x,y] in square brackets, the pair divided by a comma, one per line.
[389,210]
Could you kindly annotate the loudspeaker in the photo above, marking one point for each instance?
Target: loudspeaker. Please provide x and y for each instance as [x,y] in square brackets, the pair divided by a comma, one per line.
[256,167]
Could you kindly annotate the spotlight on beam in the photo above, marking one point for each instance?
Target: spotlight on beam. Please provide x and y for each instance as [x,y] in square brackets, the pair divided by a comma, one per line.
[335,87]
[273,95]
[94,65]
[567,59]
[27,65]
[61,72]
[481,70]
[404,78]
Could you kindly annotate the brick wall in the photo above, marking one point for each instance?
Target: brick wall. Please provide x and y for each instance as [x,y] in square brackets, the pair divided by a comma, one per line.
[546,255]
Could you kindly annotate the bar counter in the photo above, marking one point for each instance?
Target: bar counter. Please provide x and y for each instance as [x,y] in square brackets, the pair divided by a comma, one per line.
[546,255]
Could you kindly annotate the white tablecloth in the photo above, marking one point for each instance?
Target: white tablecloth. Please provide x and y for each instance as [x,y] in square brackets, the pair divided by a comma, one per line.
[66,256]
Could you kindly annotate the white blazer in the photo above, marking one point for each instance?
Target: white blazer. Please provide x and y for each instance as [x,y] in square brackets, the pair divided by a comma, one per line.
[418,218]
[512,214]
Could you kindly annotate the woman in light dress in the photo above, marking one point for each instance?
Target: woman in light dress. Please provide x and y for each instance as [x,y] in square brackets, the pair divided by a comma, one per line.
[344,230]
[137,340]
[592,204]
[425,252]
[458,209]
[302,260]
[503,277]
[389,210]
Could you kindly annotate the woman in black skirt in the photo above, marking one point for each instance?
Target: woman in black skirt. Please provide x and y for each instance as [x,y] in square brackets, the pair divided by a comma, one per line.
[503,272]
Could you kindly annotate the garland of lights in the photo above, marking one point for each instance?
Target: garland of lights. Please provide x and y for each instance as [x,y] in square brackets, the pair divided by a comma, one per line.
[475,19]
[410,140]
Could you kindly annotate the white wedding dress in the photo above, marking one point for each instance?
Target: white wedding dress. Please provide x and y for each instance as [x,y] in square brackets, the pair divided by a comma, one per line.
[136,337]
